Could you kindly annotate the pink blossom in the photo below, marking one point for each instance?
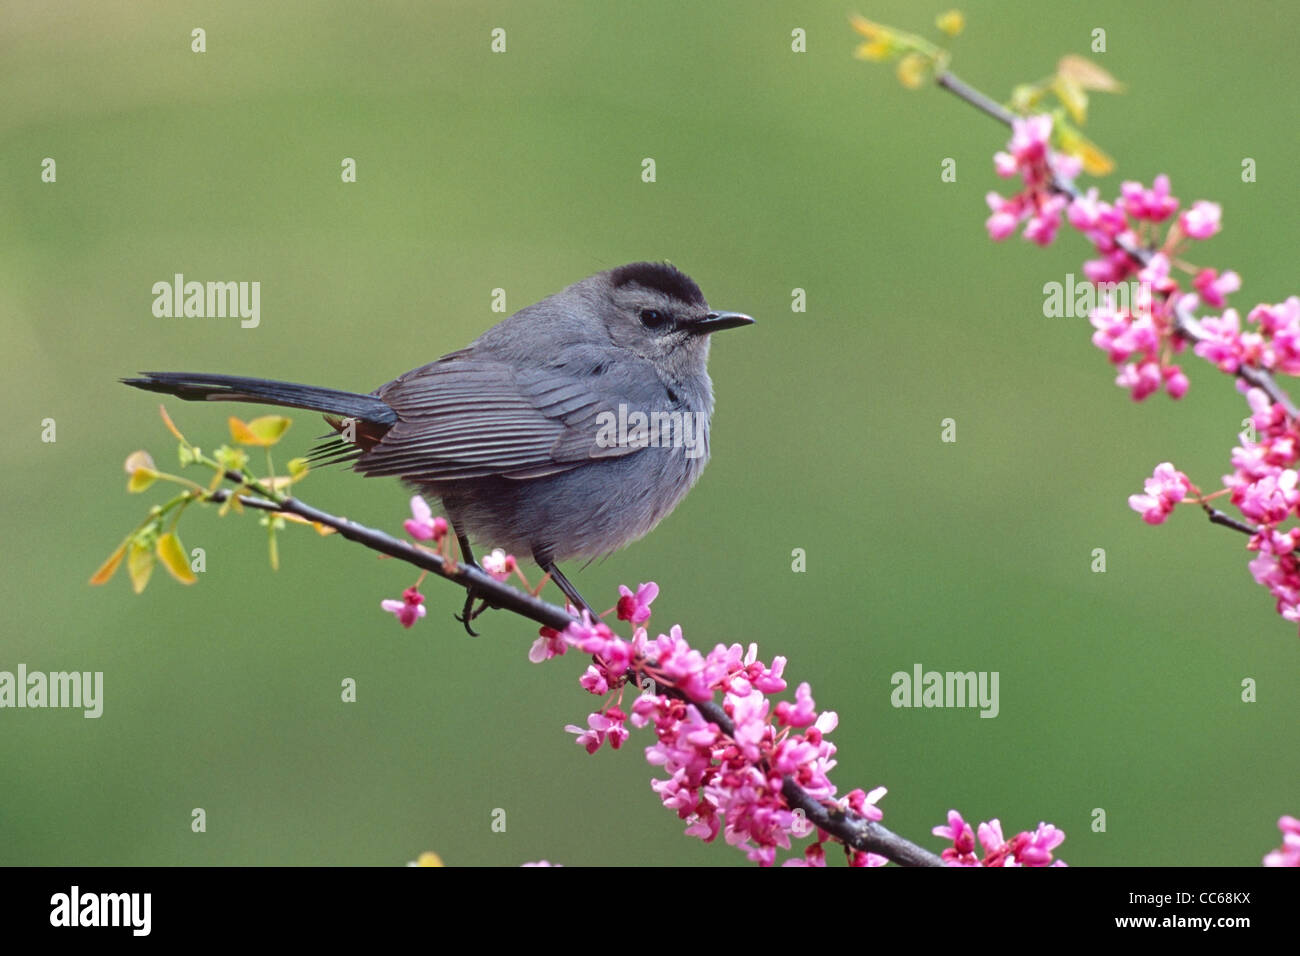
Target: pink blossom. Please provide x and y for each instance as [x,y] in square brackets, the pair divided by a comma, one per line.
[1279,337]
[1024,849]
[408,610]
[1005,165]
[802,713]
[749,714]
[595,681]
[1095,218]
[1155,274]
[1222,343]
[1115,266]
[1029,138]
[1289,853]
[1065,166]
[1270,499]
[1274,319]
[813,855]
[498,564]
[1176,383]
[1037,850]
[1005,218]
[1140,379]
[1202,220]
[550,643]
[1112,331]
[1154,205]
[1215,288]
[1280,574]
[422,525]
[601,728]
[594,637]
[990,836]
[636,607]
[1043,224]
[961,853]
[1166,487]
[864,804]
[768,680]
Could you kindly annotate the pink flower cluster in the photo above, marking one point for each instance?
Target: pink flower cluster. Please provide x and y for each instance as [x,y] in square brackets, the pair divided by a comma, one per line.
[1271,342]
[1288,854]
[1160,318]
[720,783]
[1023,849]
[1038,204]
[424,526]
[1265,487]
[1141,336]
[1166,488]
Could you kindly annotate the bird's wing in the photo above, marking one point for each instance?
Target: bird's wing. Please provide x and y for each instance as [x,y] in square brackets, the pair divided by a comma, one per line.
[470,416]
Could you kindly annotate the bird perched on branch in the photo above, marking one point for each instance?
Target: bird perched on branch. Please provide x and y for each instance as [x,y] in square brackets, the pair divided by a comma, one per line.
[567,430]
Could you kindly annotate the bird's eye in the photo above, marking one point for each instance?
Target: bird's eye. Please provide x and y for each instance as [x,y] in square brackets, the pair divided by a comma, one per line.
[653,318]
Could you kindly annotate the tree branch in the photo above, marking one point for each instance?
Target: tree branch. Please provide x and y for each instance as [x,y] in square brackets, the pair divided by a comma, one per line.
[949,81]
[1218,517]
[853,830]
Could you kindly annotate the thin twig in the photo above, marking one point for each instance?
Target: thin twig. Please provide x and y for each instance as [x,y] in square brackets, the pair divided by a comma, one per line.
[498,593]
[974,97]
[1218,517]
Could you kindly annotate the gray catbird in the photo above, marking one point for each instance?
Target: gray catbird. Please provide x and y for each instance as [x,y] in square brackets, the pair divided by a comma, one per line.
[568,430]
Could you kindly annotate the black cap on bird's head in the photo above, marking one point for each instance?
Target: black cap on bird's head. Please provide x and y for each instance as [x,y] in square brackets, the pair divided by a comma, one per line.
[661,276]
[659,310]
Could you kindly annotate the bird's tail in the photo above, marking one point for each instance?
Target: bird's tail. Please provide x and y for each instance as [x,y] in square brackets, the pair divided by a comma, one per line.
[201,387]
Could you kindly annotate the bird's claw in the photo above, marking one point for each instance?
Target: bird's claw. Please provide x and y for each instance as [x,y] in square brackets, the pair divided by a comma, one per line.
[468,613]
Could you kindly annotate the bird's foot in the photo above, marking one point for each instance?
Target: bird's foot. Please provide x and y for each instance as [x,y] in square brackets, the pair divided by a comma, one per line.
[469,613]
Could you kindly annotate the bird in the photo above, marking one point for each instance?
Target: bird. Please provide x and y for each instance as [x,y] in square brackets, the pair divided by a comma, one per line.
[523,434]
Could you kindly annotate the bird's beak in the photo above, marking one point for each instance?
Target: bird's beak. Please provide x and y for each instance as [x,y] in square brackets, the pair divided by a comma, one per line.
[717,321]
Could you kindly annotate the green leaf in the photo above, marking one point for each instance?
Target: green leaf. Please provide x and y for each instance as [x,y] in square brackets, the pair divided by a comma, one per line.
[233,459]
[141,479]
[139,465]
[139,564]
[1026,97]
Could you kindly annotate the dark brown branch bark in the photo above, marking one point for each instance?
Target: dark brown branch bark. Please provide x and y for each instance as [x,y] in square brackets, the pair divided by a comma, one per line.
[1218,517]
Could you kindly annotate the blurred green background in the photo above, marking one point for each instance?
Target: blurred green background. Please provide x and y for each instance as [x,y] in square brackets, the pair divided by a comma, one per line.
[521,170]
